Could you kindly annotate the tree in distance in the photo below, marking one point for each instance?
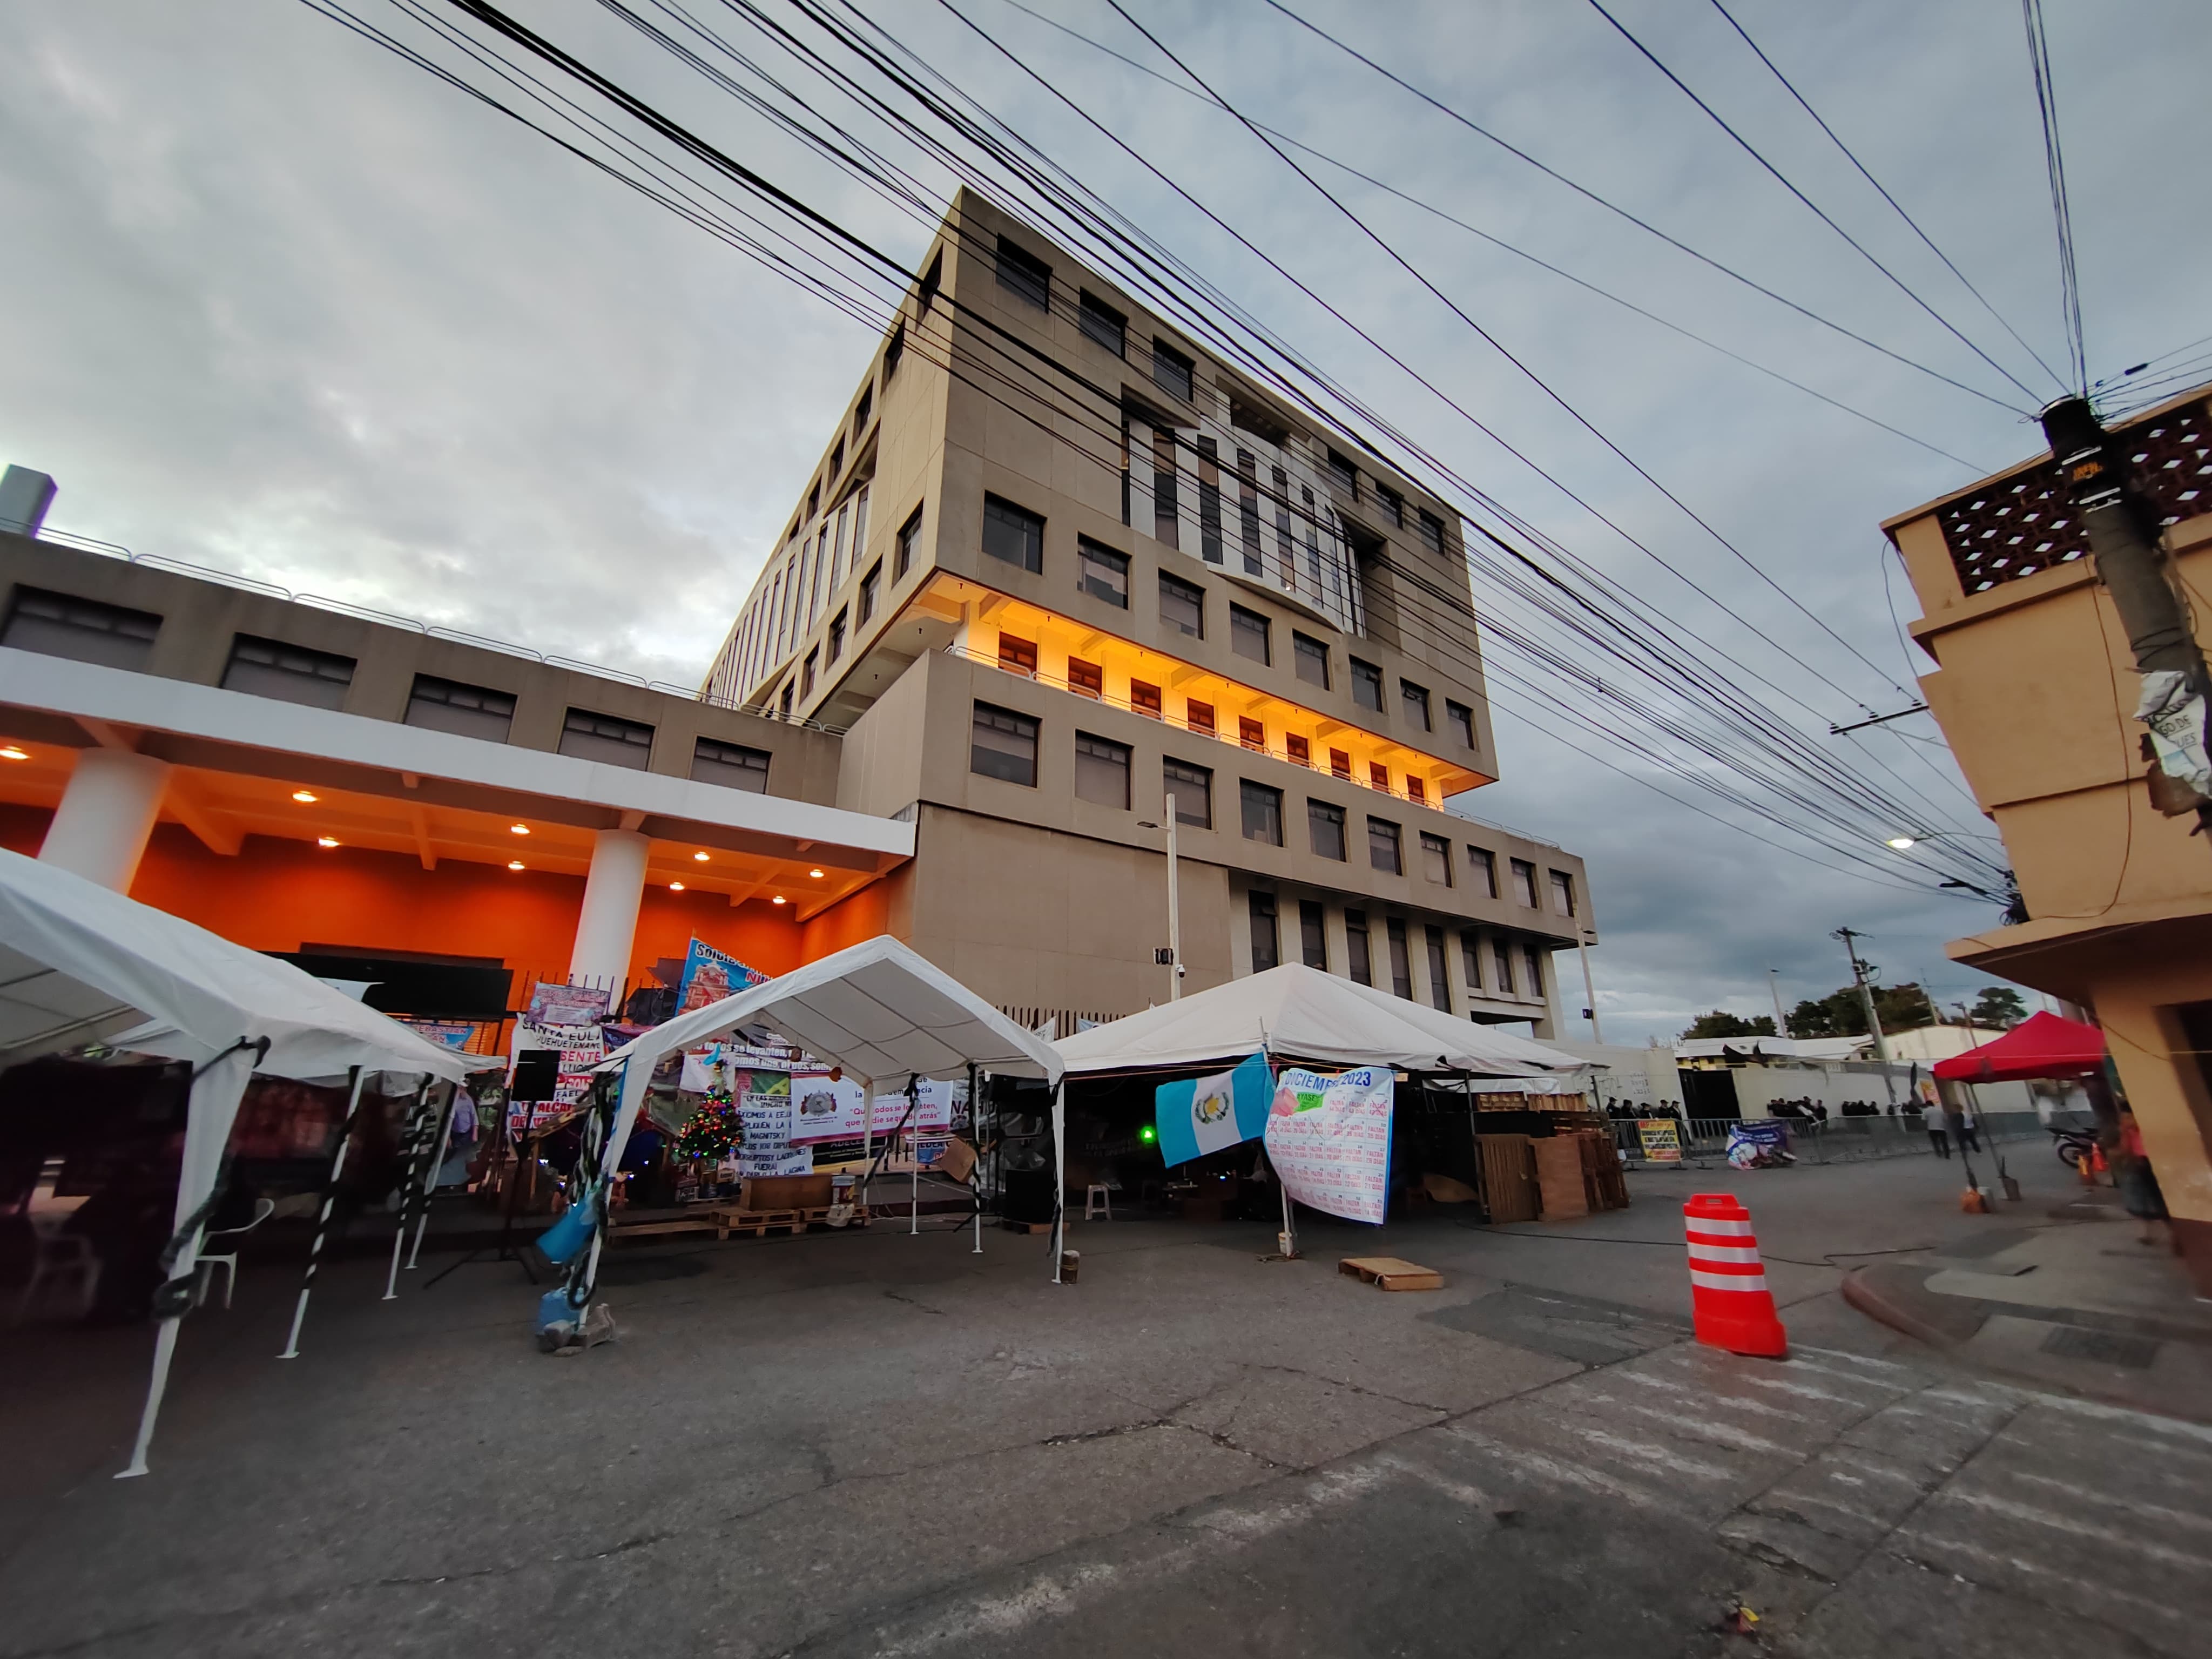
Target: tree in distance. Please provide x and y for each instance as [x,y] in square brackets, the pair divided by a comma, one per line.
[1899,1007]
[1999,1006]
[1720,1025]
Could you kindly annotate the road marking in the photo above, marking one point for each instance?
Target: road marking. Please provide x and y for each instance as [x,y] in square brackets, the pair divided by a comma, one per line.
[1551,1468]
[1643,1451]
[1704,1428]
[2130,1505]
[2066,1523]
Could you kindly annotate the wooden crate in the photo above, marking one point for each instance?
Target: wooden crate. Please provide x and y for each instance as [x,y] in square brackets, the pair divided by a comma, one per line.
[1509,1177]
[1560,1177]
[1604,1183]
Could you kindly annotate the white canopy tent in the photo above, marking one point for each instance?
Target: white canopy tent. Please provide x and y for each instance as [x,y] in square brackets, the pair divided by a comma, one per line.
[1300,1013]
[878,1009]
[80,962]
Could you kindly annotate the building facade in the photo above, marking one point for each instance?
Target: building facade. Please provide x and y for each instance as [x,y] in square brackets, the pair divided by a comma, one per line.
[2036,689]
[1058,565]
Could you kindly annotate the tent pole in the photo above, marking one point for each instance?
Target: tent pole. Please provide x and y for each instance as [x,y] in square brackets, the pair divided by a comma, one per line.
[867,1144]
[438,1162]
[211,1116]
[975,1174]
[417,1137]
[1059,1176]
[323,1222]
[914,1186]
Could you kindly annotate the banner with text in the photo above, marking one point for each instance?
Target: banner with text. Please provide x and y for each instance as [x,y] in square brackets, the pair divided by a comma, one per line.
[823,1110]
[1329,1138]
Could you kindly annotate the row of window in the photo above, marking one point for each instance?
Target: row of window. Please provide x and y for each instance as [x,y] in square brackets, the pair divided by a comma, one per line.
[1004,746]
[1016,534]
[1360,965]
[87,630]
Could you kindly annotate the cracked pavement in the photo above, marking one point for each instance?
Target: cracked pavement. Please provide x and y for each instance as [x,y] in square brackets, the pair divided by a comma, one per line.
[873,1444]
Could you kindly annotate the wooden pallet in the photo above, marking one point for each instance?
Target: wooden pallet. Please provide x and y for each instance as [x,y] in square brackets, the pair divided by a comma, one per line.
[1026,1226]
[758,1224]
[649,1229]
[1390,1274]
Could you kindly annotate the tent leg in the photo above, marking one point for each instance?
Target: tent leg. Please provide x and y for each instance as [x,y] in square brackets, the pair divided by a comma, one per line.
[1290,1232]
[913,1203]
[1059,1177]
[323,1222]
[437,1163]
[975,1174]
[416,1135]
[165,1348]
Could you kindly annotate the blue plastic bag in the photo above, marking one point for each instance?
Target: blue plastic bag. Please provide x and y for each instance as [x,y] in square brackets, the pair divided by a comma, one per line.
[572,1232]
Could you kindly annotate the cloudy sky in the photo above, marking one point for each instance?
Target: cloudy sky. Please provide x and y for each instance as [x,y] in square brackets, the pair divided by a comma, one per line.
[277,302]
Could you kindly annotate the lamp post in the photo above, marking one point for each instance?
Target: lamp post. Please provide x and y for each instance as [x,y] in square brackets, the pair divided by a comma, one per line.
[1589,986]
[1175,907]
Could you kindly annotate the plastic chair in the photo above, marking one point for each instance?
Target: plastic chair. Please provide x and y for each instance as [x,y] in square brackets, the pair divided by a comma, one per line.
[1096,1198]
[227,1261]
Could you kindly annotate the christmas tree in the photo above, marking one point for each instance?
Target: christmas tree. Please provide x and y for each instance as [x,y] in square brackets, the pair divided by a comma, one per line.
[714,1132]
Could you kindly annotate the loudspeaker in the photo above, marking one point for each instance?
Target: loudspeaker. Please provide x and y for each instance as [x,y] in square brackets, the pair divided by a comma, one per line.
[537,1074]
[1027,1195]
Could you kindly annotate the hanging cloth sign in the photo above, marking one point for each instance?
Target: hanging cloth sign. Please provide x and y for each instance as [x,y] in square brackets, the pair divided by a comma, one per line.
[1212,1113]
[1329,1136]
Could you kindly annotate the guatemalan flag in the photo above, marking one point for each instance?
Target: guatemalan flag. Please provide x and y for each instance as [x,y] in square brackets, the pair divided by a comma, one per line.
[1213,1112]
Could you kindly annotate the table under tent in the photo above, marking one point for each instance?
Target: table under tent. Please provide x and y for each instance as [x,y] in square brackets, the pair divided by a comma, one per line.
[80,964]
[1470,1100]
[878,1011]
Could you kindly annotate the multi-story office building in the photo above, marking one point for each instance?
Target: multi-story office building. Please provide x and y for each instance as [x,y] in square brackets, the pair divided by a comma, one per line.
[1058,566]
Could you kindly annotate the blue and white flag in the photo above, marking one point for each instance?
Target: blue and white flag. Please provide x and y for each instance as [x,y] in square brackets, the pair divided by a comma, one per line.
[1213,1112]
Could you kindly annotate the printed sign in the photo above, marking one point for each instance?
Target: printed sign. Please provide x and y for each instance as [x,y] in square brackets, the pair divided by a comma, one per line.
[765,1110]
[452,1034]
[710,976]
[1329,1138]
[1661,1139]
[718,1067]
[567,1005]
[823,1110]
[1759,1144]
[1210,1113]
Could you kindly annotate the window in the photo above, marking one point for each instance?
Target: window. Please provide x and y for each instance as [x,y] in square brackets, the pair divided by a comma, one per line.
[1524,882]
[1460,718]
[466,711]
[1339,764]
[1313,935]
[1432,532]
[1325,827]
[731,765]
[1103,325]
[806,673]
[1017,656]
[1367,685]
[1417,791]
[1263,813]
[1312,658]
[1004,745]
[1563,892]
[1502,955]
[1393,504]
[1192,789]
[1416,700]
[814,500]
[1470,958]
[1252,733]
[784,701]
[1102,771]
[1196,716]
[862,410]
[1248,634]
[607,738]
[837,635]
[837,459]
[1383,851]
[1247,510]
[1298,749]
[1209,501]
[1483,863]
[1360,962]
[1172,370]
[894,349]
[1023,273]
[1013,534]
[1165,471]
[1267,945]
[1435,859]
[1145,699]
[1535,961]
[83,630]
[1344,474]
[1182,605]
[271,668]
[871,584]
[932,281]
[1101,572]
[910,535]
[1401,959]
[1085,680]
[1439,972]
[1378,777]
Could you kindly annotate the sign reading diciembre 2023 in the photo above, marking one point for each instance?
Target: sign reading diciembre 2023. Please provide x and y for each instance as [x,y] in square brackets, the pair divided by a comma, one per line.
[1329,1136]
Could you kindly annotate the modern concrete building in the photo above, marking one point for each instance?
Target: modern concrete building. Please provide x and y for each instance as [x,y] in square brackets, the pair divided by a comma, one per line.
[1056,565]
[2036,689]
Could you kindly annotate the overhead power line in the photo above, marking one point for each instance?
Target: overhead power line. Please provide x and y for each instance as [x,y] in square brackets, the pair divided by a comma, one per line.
[2054,159]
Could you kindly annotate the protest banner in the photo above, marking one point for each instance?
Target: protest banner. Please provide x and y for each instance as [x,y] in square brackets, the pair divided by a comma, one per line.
[1329,1139]
[1661,1139]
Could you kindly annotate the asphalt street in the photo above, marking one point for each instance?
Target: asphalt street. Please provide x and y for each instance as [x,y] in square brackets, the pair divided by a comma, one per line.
[881,1444]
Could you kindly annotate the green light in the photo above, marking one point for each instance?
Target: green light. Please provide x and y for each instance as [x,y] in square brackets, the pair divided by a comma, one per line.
[1148,1134]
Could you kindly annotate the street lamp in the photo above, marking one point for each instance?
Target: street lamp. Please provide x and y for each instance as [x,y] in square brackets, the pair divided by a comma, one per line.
[1173,959]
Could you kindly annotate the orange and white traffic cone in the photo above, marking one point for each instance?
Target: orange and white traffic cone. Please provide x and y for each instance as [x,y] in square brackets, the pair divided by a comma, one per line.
[1732,1307]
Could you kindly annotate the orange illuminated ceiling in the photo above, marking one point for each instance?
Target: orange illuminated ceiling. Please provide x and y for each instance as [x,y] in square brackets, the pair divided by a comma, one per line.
[221,808]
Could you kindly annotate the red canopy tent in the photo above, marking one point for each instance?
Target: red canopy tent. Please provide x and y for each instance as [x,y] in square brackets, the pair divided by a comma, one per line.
[2042,1045]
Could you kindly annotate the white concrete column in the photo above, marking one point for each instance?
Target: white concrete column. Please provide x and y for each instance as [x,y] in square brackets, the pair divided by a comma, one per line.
[607,925]
[100,830]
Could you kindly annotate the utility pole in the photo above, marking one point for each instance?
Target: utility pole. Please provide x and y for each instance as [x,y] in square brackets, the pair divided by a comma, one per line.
[1589,986]
[1774,986]
[1866,1001]
[2124,538]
